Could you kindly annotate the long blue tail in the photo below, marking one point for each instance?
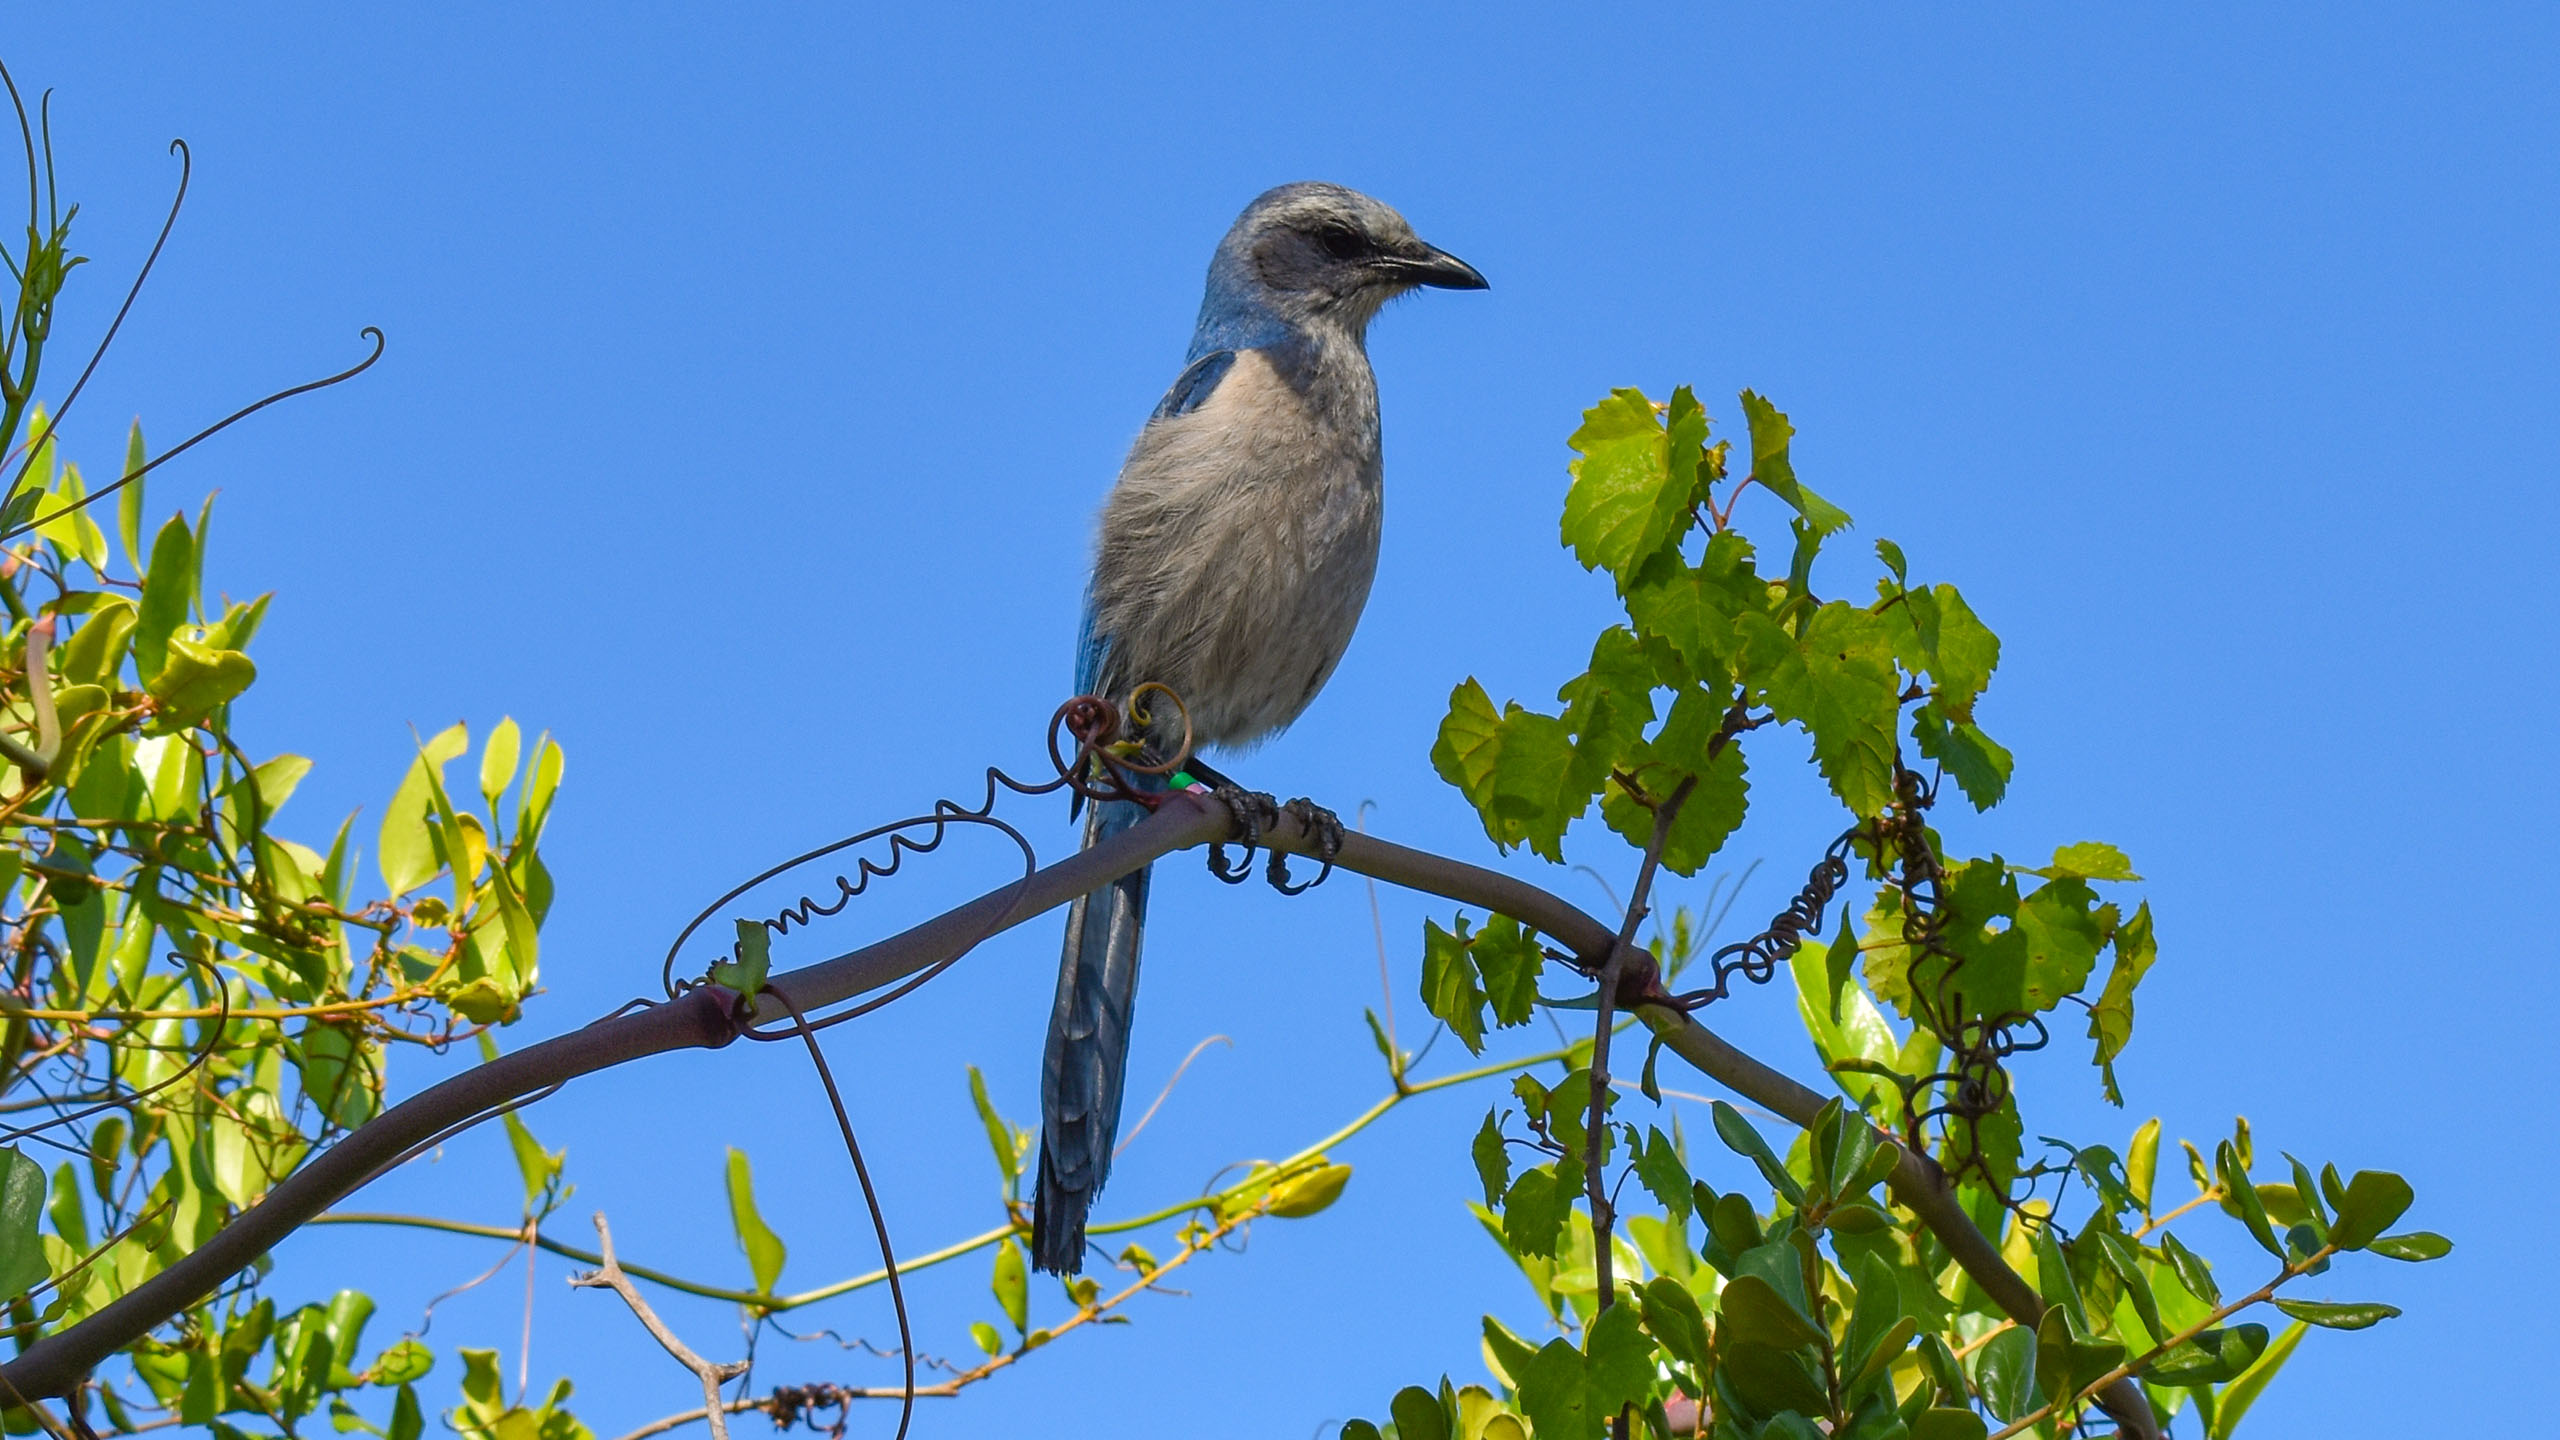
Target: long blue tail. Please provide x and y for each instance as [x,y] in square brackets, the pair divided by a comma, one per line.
[1087,1062]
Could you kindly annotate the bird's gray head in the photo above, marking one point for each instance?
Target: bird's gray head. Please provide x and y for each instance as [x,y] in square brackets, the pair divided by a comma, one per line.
[1315,254]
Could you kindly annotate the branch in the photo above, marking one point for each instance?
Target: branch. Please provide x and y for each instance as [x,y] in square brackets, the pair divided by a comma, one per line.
[712,1376]
[704,1018]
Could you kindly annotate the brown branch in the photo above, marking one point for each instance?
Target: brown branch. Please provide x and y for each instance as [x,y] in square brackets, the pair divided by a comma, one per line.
[712,1376]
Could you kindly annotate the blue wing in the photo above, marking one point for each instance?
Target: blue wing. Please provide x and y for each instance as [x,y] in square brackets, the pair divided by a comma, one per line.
[1192,388]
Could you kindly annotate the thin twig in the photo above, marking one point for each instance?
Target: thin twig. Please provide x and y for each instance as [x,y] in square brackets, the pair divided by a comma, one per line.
[1167,1091]
[712,1376]
[1596,1129]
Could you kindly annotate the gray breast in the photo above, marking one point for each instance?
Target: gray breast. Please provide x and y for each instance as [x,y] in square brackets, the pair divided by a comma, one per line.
[1239,544]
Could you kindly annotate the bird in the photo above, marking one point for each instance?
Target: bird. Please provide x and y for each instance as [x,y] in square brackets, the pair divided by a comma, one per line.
[1234,556]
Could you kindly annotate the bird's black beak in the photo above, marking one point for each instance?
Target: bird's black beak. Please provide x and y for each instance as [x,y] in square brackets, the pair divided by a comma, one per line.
[1438,268]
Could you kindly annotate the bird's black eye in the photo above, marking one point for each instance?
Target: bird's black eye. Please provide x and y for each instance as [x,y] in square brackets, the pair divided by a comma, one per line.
[1342,242]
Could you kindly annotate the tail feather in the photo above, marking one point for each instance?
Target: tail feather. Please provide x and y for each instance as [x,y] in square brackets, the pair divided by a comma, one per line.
[1087,1062]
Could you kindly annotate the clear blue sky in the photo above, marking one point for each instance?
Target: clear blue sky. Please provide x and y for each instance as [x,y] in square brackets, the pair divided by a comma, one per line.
[754,373]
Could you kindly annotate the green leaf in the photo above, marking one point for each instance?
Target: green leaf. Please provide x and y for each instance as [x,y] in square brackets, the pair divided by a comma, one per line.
[1717,801]
[987,1338]
[168,594]
[765,1250]
[1011,1285]
[1449,987]
[2122,1258]
[2192,1270]
[2415,1246]
[22,1262]
[538,1168]
[338,1072]
[402,1361]
[1417,1415]
[1658,1168]
[1671,1312]
[2375,1198]
[1517,768]
[1506,1354]
[1837,683]
[1693,609]
[1938,1422]
[1552,1394]
[2240,1197]
[2062,926]
[1608,706]
[2111,1018]
[2090,860]
[1617,1361]
[192,680]
[2209,1357]
[999,1134]
[1534,1208]
[2338,1315]
[1507,954]
[1632,487]
[1770,466]
[1310,1193]
[1493,1159]
[406,849]
[1360,1430]
[1744,1141]
[2005,1373]
[2244,1390]
[1753,1310]
[751,962]
[498,759]
[1771,1380]
[1980,765]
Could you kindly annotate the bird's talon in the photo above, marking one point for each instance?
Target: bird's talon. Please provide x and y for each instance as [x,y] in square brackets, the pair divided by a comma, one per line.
[1247,809]
[1325,828]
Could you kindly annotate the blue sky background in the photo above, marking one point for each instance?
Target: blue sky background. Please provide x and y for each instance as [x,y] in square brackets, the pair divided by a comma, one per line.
[754,373]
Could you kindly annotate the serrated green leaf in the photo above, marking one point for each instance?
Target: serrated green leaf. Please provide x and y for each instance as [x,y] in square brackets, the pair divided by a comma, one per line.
[1980,765]
[1449,983]
[1716,803]
[1771,434]
[1631,495]
[1508,957]
[1608,706]
[1837,683]
[750,963]
[1493,1159]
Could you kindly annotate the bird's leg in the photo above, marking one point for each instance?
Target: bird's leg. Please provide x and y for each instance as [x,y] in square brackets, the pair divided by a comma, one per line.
[1320,823]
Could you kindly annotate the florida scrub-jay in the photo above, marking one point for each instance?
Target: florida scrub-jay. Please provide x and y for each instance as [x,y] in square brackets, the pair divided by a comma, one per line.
[1236,552]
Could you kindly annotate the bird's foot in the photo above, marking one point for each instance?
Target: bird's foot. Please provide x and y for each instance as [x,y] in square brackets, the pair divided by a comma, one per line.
[1325,827]
[1251,810]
